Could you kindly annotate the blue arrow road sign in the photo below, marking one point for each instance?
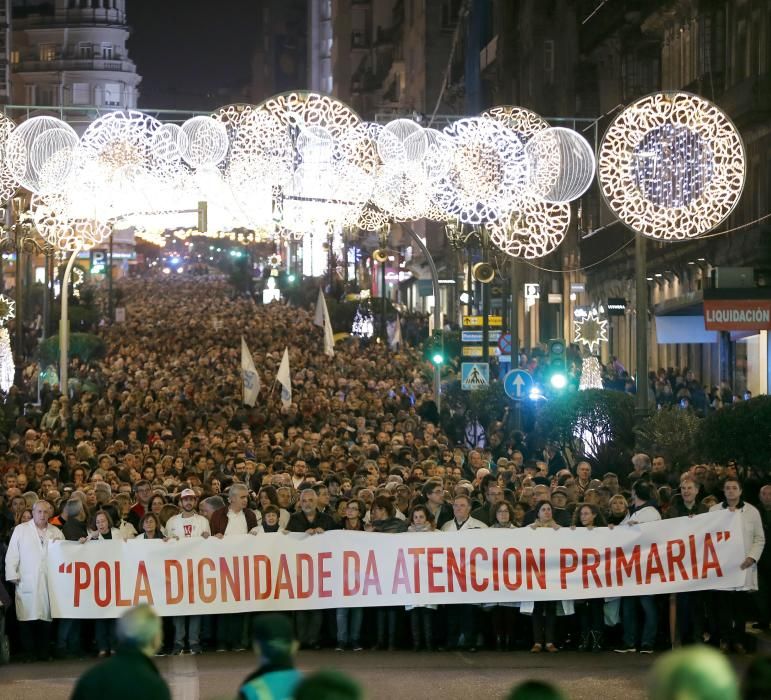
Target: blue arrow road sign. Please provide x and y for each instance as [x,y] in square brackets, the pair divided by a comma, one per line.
[517,384]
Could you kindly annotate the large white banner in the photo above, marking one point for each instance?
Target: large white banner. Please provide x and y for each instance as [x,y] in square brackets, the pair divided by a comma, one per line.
[279,571]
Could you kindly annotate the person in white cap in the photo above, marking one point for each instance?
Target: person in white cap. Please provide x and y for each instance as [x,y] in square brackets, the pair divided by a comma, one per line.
[185,525]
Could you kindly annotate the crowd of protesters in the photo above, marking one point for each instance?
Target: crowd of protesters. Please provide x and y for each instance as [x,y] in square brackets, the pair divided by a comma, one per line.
[153,441]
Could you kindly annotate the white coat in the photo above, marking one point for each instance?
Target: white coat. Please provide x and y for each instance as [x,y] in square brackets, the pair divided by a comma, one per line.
[25,563]
[754,541]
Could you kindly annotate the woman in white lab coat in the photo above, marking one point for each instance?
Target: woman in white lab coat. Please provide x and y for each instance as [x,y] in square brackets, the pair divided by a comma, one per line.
[732,604]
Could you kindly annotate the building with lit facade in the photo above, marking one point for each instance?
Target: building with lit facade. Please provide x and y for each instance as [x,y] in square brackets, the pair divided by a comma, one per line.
[72,53]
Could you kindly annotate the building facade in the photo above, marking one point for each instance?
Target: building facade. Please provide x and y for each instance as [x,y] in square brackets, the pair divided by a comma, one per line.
[72,53]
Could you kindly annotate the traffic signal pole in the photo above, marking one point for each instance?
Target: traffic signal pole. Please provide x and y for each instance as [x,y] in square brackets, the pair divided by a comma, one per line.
[641,304]
[436,311]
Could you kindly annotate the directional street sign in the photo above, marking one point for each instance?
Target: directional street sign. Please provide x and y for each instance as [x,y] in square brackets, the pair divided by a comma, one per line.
[476,336]
[517,384]
[474,375]
[478,321]
[504,344]
[477,351]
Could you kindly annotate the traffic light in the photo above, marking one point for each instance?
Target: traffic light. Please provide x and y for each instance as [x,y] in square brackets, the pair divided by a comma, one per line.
[436,351]
[558,377]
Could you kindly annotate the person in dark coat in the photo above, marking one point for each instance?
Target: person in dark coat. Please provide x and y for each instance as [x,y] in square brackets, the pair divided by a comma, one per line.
[131,673]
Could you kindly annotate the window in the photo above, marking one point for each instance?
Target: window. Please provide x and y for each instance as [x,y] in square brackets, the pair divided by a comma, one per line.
[47,52]
[14,57]
[85,51]
[46,94]
[107,52]
[112,94]
[81,93]
[30,94]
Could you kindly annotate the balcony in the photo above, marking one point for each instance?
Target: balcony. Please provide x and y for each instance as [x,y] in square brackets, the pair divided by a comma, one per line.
[90,64]
[69,17]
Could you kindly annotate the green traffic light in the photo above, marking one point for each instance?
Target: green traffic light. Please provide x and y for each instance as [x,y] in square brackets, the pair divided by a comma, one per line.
[558,380]
[290,278]
[437,358]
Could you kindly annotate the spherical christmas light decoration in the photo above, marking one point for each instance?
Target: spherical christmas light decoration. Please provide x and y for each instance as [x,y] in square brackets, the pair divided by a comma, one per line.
[203,142]
[402,141]
[371,219]
[561,164]
[488,171]
[591,330]
[672,166]
[54,221]
[523,122]
[260,144]
[39,148]
[120,140]
[535,229]
[164,144]
[310,108]
[7,309]
[7,367]
[401,192]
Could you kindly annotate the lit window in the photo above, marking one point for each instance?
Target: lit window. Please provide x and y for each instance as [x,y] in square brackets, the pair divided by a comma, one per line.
[47,52]
[112,94]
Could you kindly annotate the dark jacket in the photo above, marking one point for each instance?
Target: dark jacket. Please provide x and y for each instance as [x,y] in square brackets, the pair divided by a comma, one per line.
[444,516]
[126,676]
[391,525]
[219,520]
[485,514]
[678,509]
[73,530]
[299,523]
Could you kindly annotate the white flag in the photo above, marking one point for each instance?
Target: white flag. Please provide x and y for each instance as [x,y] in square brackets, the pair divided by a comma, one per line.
[321,318]
[318,317]
[250,375]
[284,378]
[396,341]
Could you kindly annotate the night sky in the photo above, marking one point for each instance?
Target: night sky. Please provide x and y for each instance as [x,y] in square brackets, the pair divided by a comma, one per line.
[192,54]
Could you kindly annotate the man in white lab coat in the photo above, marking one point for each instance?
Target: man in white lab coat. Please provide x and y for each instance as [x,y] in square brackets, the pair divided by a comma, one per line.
[26,567]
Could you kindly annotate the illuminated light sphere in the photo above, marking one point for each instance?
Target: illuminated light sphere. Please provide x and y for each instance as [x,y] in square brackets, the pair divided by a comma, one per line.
[672,166]
[371,219]
[7,308]
[203,142]
[561,164]
[119,140]
[38,147]
[401,192]
[488,172]
[402,140]
[525,123]
[591,375]
[437,158]
[311,109]
[591,330]
[315,145]
[54,221]
[534,230]
[165,148]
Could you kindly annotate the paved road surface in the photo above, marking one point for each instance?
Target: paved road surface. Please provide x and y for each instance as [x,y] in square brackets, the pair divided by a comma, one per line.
[385,676]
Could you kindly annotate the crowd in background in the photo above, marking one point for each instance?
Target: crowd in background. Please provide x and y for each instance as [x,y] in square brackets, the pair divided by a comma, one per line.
[153,441]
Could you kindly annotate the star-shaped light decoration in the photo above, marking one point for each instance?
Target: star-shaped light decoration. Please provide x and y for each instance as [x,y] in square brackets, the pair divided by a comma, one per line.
[7,308]
[591,330]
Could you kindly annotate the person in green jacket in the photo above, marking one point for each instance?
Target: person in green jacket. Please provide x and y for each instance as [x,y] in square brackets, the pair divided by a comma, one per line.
[276,678]
[130,673]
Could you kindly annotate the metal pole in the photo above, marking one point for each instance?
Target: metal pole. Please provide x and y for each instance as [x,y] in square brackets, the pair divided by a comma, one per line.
[514,310]
[485,289]
[46,299]
[64,324]
[641,303]
[437,310]
[110,300]
[17,239]
[383,334]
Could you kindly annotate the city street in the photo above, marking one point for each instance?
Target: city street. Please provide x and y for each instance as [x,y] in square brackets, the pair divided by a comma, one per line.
[450,676]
